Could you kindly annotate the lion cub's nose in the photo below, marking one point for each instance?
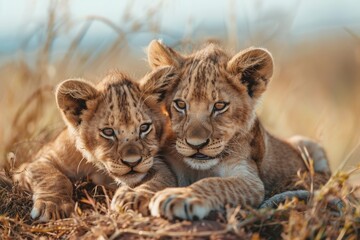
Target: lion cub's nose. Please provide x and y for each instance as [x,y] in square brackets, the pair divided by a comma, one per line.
[197,144]
[131,155]
[131,161]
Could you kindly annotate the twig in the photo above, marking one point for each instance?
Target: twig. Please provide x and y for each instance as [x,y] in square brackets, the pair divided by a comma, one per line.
[162,233]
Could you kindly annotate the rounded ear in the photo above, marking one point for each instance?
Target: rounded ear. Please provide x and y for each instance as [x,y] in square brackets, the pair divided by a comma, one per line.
[161,55]
[71,98]
[157,83]
[254,67]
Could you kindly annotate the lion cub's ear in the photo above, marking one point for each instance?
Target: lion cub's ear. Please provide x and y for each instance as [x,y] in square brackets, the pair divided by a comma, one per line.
[161,55]
[157,83]
[254,67]
[72,96]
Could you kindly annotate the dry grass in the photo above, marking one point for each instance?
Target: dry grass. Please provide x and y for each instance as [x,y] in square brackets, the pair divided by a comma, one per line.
[314,92]
[316,219]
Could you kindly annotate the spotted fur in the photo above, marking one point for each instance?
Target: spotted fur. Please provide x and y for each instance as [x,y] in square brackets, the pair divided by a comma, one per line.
[121,155]
[225,154]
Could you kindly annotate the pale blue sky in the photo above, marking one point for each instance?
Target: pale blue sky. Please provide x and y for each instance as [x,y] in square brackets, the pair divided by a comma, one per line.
[211,18]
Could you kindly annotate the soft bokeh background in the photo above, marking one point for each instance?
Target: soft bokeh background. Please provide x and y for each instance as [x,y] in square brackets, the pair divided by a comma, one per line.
[315,44]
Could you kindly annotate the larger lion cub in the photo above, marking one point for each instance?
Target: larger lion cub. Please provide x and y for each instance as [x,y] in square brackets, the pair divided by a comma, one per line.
[113,135]
[226,156]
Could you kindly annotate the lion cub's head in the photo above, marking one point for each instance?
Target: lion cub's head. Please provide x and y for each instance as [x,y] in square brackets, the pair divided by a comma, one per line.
[212,98]
[114,126]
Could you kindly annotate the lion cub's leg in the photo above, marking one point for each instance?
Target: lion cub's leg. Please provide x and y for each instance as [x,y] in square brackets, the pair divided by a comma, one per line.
[212,193]
[315,151]
[138,198]
[52,190]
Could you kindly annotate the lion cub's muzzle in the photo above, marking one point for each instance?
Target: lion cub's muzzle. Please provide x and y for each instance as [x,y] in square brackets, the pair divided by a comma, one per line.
[205,149]
[132,164]
[198,145]
[197,139]
[131,155]
[203,155]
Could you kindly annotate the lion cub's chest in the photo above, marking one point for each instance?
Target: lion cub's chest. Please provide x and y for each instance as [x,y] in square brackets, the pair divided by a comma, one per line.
[190,176]
[226,169]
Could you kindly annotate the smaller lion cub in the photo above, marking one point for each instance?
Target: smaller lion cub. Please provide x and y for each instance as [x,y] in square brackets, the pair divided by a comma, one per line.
[113,135]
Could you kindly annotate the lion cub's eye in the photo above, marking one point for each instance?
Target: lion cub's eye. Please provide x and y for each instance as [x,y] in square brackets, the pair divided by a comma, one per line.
[220,107]
[145,128]
[107,133]
[180,105]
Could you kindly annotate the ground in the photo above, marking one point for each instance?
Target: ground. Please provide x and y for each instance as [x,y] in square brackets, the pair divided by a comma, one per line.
[317,218]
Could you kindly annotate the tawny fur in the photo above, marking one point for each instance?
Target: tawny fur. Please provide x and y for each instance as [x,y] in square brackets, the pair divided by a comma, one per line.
[245,163]
[81,150]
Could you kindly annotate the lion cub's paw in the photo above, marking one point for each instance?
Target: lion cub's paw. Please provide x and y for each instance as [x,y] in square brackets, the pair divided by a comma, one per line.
[45,210]
[178,203]
[126,198]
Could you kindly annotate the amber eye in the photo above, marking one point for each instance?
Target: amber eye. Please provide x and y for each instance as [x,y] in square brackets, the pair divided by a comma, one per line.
[180,105]
[107,133]
[220,106]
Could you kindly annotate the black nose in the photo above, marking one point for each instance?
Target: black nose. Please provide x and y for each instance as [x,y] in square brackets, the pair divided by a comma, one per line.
[198,146]
[131,162]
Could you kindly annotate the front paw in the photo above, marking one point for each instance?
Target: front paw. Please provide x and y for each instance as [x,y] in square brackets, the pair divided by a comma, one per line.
[179,203]
[46,209]
[126,198]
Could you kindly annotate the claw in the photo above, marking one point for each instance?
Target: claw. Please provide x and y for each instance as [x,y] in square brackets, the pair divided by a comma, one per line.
[35,213]
[132,199]
[46,210]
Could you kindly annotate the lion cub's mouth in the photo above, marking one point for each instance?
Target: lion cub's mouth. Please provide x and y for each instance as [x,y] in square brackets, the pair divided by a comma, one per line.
[200,156]
[132,172]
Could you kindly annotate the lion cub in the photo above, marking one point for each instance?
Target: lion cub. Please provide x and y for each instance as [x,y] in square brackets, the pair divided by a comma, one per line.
[226,155]
[113,135]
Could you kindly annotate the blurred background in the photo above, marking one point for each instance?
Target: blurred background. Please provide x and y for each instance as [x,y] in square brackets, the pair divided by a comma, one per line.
[316,46]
